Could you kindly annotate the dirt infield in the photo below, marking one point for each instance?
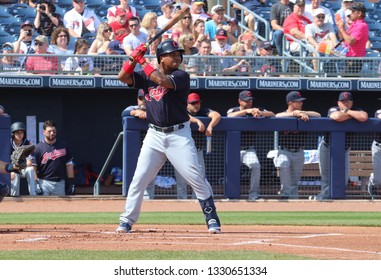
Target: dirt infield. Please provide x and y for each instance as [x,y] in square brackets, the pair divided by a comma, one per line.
[317,242]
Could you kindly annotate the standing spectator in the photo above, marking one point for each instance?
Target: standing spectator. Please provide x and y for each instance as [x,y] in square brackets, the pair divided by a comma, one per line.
[208,66]
[197,10]
[46,18]
[9,63]
[343,112]
[278,14]
[18,139]
[135,38]
[198,31]
[120,26]
[237,66]
[346,5]
[195,110]
[355,37]
[59,44]
[295,24]
[81,20]
[42,64]
[212,25]
[102,40]
[53,163]
[79,64]
[183,26]
[375,179]
[24,43]
[149,22]
[220,44]
[131,11]
[311,8]
[290,158]
[248,154]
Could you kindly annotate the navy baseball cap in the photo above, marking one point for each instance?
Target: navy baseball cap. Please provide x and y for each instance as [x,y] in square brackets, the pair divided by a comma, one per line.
[167,2]
[221,34]
[345,95]
[293,96]
[246,95]
[115,47]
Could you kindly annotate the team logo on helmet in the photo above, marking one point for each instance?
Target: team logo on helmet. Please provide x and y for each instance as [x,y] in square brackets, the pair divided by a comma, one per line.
[174,44]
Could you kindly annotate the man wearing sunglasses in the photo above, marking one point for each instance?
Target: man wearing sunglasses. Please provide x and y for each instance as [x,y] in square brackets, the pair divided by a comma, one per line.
[81,20]
[42,64]
[135,38]
[120,26]
[9,63]
[310,11]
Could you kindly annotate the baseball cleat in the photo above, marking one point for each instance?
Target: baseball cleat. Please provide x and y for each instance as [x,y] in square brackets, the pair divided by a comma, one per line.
[213,226]
[124,228]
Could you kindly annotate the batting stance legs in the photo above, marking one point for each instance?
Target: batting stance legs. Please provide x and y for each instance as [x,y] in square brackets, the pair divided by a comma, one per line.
[157,147]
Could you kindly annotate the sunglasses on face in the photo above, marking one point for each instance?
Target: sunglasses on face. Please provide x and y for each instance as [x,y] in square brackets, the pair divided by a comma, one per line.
[134,25]
[62,36]
[38,43]
[187,17]
[107,30]
[7,49]
[320,17]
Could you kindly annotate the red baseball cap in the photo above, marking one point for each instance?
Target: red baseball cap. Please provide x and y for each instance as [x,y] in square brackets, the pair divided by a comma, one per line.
[193,97]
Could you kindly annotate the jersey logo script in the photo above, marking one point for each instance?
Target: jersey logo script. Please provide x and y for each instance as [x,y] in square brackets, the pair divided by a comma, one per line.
[157,93]
[53,155]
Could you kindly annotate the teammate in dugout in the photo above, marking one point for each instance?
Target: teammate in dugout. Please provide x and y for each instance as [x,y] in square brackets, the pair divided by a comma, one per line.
[169,134]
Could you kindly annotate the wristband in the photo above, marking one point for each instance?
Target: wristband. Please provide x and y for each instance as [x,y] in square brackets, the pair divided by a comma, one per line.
[128,68]
[148,69]
[9,167]
[142,60]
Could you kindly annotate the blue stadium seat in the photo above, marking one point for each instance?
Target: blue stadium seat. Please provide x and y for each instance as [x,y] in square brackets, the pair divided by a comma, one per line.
[94,4]
[335,6]
[374,25]
[370,7]
[148,4]
[13,28]
[376,45]
[142,11]
[90,37]
[9,20]
[102,10]
[66,4]
[7,38]
[21,10]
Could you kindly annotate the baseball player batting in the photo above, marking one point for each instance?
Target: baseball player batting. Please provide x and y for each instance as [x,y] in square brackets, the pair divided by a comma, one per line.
[169,134]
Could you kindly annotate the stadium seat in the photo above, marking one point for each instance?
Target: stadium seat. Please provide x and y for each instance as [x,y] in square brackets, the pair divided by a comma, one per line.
[370,7]
[7,38]
[90,37]
[335,6]
[148,4]
[376,45]
[13,28]
[142,11]
[9,20]
[21,10]
[102,10]
[66,4]
[94,4]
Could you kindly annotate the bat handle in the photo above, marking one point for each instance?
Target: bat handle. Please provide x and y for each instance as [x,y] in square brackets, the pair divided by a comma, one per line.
[132,59]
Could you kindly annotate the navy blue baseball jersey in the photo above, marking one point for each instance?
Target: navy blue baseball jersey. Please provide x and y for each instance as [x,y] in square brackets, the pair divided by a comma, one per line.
[165,107]
[237,109]
[51,160]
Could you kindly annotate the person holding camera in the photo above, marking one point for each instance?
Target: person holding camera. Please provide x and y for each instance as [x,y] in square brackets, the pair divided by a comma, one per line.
[24,43]
[46,18]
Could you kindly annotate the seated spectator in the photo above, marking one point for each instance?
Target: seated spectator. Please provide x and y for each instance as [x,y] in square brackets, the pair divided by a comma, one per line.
[81,20]
[46,18]
[59,44]
[295,24]
[120,26]
[102,40]
[135,38]
[208,66]
[310,9]
[198,31]
[110,65]
[153,47]
[42,64]
[186,43]
[131,11]
[167,7]
[80,65]
[218,18]
[183,26]
[251,5]
[250,41]
[237,66]
[220,45]
[24,43]
[197,10]
[9,63]
[264,63]
[149,22]
[232,30]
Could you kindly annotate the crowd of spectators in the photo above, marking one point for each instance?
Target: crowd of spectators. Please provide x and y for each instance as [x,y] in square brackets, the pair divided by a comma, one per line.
[123,29]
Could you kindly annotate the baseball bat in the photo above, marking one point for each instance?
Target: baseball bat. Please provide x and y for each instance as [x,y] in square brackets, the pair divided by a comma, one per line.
[176,17]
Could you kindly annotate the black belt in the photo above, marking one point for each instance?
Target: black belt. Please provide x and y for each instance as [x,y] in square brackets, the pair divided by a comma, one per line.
[167,129]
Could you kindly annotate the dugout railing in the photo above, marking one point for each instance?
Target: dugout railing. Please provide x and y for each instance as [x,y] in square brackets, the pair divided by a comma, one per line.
[232,134]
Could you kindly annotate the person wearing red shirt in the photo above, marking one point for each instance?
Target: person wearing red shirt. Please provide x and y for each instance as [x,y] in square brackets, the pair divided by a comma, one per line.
[355,37]
[120,27]
[295,24]
[42,64]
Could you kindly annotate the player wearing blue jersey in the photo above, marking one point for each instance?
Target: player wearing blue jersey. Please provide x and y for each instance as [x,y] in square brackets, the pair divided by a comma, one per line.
[169,134]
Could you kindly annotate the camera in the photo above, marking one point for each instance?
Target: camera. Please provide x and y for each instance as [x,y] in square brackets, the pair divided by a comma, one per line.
[28,32]
[42,8]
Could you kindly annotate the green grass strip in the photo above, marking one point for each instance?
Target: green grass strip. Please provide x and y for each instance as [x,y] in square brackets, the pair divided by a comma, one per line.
[195,218]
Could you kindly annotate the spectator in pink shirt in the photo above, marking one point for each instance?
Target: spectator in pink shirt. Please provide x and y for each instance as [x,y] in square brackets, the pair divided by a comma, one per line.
[355,37]
[42,64]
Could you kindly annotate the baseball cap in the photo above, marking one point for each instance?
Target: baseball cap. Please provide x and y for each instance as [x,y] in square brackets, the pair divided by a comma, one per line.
[198,2]
[216,9]
[345,95]
[348,12]
[8,44]
[167,2]
[347,0]
[318,11]
[26,23]
[221,34]
[115,46]
[294,96]
[233,20]
[193,97]
[358,6]
[300,2]
[140,93]
[246,95]
[120,12]
[266,45]
[41,38]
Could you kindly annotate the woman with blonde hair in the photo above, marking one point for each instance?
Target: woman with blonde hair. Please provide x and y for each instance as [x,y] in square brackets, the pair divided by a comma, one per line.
[102,40]
[183,26]
[149,22]
[237,66]
[186,42]
[198,31]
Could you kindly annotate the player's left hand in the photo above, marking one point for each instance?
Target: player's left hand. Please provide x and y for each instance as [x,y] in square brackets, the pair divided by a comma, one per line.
[138,53]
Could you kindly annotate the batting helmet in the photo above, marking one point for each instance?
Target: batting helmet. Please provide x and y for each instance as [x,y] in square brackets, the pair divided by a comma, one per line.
[168,46]
[4,191]
[17,126]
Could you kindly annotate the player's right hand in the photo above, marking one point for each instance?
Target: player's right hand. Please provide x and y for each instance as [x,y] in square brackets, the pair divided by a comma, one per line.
[138,53]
